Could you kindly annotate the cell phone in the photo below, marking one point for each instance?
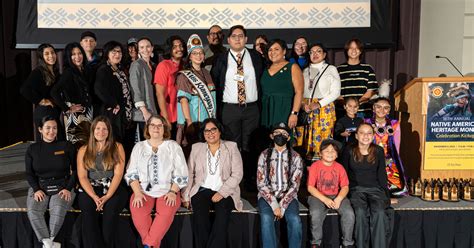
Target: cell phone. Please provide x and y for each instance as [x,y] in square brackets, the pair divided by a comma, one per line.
[351,129]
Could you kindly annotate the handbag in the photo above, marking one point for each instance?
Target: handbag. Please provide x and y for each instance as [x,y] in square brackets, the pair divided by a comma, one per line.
[303,116]
[52,186]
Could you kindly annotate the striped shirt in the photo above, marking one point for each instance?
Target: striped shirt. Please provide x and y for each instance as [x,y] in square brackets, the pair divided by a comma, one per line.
[356,80]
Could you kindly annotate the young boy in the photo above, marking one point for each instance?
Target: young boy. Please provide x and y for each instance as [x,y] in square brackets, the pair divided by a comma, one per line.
[328,185]
[344,130]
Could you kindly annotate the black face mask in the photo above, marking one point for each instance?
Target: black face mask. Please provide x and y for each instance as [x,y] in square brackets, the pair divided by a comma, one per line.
[280,139]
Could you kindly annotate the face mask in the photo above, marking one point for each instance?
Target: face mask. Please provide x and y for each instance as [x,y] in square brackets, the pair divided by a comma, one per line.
[280,140]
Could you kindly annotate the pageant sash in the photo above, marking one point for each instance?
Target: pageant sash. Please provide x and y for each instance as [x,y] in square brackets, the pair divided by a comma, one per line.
[203,92]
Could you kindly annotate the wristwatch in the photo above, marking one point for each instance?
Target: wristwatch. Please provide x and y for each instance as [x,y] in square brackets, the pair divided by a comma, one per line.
[294,112]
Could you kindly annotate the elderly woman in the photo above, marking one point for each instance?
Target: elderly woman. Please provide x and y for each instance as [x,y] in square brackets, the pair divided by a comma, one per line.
[321,88]
[72,93]
[50,171]
[156,172]
[141,80]
[100,166]
[215,171]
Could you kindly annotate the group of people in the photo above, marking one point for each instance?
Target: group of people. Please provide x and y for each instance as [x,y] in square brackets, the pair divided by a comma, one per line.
[188,130]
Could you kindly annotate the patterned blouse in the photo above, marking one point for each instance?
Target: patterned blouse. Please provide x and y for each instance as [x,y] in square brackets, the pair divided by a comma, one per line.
[279,184]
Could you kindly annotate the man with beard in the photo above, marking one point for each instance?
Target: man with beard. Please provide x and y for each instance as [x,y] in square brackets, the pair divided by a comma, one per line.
[165,77]
[215,37]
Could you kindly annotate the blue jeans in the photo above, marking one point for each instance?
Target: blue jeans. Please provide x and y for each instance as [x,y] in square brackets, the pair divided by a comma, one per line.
[267,225]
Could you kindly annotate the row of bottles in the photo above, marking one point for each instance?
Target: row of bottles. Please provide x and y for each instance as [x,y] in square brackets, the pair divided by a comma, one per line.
[451,189]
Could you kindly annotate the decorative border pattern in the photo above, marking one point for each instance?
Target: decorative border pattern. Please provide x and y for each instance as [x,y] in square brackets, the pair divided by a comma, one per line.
[201,16]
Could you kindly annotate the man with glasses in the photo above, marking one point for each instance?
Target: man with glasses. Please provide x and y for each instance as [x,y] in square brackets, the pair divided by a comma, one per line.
[215,37]
[236,74]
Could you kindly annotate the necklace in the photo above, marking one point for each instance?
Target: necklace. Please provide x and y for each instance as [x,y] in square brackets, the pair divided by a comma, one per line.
[209,163]
[311,80]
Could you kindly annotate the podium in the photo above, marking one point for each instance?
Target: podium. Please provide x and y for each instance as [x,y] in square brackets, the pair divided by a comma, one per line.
[435,144]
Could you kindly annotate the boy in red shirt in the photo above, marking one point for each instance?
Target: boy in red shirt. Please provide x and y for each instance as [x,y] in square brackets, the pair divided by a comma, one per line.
[328,185]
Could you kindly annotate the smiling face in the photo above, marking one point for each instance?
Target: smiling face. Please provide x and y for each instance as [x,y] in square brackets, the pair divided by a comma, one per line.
[316,54]
[88,44]
[49,131]
[101,132]
[365,134]
[197,56]
[354,52]
[76,57]
[177,50]
[237,40]
[115,56]
[301,46]
[381,108]
[145,49]
[351,107]
[49,56]
[215,36]
[329,154]
[276,53]
[212,135]
[156,129]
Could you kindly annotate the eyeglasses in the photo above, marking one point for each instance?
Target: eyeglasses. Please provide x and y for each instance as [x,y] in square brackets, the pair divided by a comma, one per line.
[319,51]
[384,107]
[197,53]
[215,33]
[237,36]
[211,130]
[151,125]
[115,52]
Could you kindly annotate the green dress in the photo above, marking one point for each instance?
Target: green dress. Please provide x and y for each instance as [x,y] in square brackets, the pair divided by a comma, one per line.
[277,96]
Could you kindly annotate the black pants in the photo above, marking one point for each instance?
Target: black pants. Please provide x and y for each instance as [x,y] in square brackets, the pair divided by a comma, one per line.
[90,230]
[372,224]
[240,123]
[207,235]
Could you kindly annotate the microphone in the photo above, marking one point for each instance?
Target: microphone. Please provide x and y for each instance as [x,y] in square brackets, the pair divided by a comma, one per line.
[442,57]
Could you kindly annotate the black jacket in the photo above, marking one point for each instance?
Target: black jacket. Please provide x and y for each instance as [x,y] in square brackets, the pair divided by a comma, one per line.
[219,69]
[73,87]
[108,88]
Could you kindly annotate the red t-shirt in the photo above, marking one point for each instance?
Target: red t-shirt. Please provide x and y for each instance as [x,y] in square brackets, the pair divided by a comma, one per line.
[165,75]
[327,179]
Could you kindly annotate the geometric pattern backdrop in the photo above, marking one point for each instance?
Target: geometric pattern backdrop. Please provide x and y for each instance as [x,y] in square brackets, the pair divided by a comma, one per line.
[149,14]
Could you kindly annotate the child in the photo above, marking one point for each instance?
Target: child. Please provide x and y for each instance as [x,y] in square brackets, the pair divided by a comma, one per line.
[328,185]
[278,179]
[344,130]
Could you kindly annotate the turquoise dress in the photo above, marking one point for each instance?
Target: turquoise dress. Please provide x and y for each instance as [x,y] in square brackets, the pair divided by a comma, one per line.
[277,96]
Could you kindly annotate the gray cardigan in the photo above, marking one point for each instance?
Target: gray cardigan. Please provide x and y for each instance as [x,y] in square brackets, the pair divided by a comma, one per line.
[143,92]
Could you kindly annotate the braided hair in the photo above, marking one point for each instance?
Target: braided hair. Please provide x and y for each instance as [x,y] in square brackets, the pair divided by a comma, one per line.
[269,155]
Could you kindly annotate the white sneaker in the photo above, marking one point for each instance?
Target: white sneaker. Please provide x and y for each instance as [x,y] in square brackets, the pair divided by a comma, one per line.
[56,245]
[47,243]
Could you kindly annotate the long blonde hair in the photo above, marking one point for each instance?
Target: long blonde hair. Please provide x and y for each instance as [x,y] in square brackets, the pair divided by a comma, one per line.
[110,152]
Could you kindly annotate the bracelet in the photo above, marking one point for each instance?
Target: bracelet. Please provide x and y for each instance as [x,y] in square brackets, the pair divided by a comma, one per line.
[172,191]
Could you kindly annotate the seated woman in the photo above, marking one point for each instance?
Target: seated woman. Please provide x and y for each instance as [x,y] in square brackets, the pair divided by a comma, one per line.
[50,171]
[215,171]
[279,174]
[156,172]
[368,192]
[100,166]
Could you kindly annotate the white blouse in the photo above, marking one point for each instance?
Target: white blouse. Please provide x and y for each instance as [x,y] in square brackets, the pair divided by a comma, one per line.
[328,88]
[158,170]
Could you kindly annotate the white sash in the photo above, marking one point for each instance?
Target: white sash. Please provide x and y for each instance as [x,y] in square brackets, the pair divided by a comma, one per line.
[203,92]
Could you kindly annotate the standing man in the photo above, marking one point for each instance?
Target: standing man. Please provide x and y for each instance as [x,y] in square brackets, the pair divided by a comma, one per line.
[215,37]
[236,74]
[88,43]
[165,76]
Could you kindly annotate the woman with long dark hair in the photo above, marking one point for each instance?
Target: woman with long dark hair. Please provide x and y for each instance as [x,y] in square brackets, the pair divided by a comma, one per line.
[50,171]
[72,92]
[368,192]
[299,52]
[37,88]
[100,167]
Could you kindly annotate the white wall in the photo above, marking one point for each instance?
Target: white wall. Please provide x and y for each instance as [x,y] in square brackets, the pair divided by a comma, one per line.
[446,29]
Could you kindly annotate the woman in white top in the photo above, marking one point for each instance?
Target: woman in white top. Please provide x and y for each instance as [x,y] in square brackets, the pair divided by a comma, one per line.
[215,171]
[156,172]
[322,87]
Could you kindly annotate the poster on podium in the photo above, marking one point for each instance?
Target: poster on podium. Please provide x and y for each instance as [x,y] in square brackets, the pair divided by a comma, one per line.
[450,127]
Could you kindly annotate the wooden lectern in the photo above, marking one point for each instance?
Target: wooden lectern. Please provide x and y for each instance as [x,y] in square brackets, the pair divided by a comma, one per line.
[411,104]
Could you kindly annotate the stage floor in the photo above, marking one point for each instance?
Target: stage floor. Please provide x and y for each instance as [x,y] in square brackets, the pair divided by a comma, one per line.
[14,187]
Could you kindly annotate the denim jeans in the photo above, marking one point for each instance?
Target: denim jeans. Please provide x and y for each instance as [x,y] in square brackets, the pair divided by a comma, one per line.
[318,211]
[267,225]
